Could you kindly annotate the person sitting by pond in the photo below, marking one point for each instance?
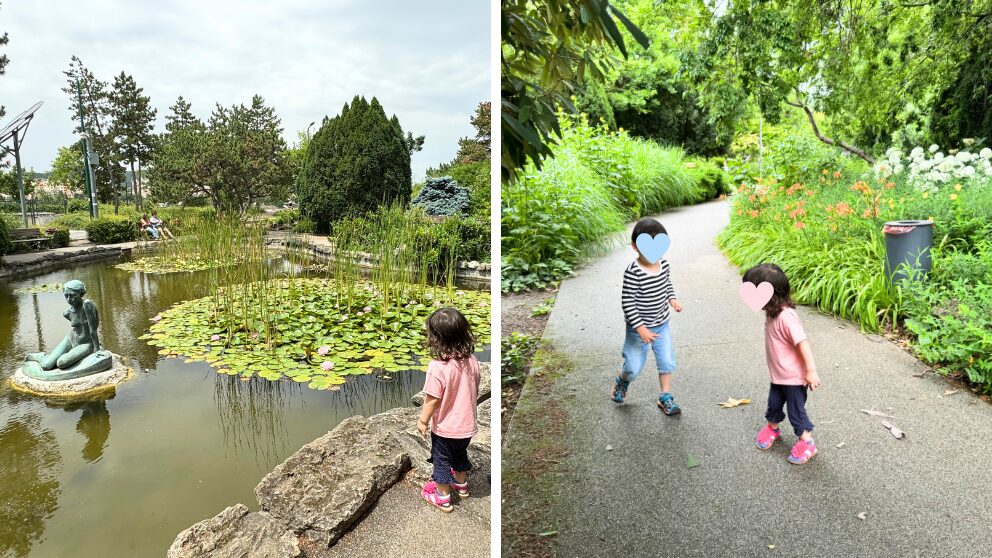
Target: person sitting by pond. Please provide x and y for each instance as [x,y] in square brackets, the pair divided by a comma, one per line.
[451,392]
[160,226]
[146,226]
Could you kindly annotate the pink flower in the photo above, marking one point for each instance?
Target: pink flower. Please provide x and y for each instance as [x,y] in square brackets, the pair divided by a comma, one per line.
[215,337]
[157,318]
[254,335]
[327,365]
[324,350]
[358,313]
[367,309]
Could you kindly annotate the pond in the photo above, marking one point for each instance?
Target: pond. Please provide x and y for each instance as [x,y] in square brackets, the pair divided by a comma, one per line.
[176,444]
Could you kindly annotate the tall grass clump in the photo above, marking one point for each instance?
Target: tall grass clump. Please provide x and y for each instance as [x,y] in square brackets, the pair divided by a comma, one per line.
[574,206]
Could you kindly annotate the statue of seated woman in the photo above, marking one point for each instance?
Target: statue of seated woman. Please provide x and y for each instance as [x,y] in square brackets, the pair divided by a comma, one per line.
[79,354]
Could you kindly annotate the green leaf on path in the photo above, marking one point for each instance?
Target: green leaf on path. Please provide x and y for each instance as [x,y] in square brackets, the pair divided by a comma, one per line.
[691,462]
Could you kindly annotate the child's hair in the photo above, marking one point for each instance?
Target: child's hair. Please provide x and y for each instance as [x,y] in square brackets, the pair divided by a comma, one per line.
[449,335]
[773,274]
[647,225]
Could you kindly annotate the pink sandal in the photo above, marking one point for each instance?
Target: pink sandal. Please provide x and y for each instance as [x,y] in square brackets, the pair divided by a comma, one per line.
[460,488]
[766,437]
[435,498]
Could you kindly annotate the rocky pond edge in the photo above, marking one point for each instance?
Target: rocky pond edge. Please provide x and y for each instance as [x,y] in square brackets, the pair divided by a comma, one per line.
[328,486]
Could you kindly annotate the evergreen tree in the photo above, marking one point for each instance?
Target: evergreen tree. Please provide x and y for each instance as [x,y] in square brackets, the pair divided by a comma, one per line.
[133,121]
[3,63]
[177,162]
[356,162]
[98,119]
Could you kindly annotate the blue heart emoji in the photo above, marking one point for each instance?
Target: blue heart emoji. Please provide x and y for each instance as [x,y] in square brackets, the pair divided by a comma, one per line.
[652,248]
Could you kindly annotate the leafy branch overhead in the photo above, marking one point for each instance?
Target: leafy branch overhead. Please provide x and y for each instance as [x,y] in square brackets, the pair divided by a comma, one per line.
[549,48]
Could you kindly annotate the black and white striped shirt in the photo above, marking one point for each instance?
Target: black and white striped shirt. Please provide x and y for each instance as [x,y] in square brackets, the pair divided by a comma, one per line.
[645,297]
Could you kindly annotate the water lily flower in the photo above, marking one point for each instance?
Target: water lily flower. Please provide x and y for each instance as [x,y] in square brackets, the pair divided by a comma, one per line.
[327,365]
[324,350]
[215,337]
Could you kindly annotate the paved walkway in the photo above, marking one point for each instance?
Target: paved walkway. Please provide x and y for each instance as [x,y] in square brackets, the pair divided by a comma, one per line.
[926,495]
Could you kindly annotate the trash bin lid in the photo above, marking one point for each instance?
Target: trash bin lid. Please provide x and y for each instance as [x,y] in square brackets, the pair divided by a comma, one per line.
[903,227]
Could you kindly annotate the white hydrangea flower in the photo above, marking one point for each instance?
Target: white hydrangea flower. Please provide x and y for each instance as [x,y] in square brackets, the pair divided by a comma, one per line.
[934,148]
[985,153]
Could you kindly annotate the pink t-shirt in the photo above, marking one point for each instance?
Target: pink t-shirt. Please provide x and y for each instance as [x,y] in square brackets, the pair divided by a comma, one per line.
[783,334]
[456,384]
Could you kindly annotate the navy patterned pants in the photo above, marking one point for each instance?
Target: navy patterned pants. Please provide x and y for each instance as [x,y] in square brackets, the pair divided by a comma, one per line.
[448,454]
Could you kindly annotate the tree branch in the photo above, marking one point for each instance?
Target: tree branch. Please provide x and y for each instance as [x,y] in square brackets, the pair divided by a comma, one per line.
[828,140]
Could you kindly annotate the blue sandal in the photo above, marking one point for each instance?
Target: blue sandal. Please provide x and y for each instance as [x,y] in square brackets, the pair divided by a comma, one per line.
[620,390]
[667,404]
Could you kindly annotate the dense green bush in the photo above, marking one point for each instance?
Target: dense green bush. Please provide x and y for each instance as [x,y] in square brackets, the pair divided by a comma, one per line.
[284,218]
[477,177]
[5,245]
[356,162]
[76,221]
[78,204]
[112,230]
[442,196]
[711,181]
[59,235]
[598,181]
[304,225]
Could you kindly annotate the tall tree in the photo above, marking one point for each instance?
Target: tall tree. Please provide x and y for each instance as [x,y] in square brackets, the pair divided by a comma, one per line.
[178,161]
[67,169]
[97,123]
[357,161]
[549,47]
[245,157]
[131,129]
[479,148]
[4,39]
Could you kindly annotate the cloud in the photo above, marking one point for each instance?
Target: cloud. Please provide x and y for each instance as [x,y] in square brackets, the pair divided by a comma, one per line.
[426,62]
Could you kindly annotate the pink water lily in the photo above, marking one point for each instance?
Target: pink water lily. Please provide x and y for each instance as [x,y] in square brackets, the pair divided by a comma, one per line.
[157,318]
[327,365]
[324,350]
[215,337]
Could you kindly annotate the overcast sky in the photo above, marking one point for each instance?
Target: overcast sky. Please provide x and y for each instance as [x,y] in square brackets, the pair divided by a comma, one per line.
[427,62]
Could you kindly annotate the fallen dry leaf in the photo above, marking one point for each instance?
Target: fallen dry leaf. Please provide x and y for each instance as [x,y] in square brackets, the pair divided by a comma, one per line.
[840,445]
[609,448]
[771,547]
[875,413]
[731,402]
[950,392]
[893,430]
[861,516]
[828,421]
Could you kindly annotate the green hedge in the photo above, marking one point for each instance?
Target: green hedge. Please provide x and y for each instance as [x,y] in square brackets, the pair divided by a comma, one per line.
[112,230]
[5,245]
[59,236]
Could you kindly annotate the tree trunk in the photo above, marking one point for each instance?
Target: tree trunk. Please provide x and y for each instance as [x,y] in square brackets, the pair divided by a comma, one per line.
[134,187]
[799,103]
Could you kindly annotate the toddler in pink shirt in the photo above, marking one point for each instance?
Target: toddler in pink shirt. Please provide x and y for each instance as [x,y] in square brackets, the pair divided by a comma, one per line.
[790,365]
[451,391]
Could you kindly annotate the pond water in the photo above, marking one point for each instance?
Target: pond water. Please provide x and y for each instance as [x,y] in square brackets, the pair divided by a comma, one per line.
[176,444]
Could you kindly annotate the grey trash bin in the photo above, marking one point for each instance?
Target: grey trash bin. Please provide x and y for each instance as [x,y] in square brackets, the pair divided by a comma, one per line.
[907,243]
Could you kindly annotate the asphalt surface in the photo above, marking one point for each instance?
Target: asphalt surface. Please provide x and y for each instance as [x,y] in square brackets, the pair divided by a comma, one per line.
[925,495]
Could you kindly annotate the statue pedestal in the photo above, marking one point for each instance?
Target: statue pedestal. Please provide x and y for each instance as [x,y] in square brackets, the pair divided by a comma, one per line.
[74,387]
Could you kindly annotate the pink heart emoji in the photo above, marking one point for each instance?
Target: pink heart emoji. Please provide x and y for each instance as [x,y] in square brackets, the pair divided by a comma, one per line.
[757,297]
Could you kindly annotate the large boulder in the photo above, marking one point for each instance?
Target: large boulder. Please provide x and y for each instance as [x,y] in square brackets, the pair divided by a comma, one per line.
[236,533]
[329,483]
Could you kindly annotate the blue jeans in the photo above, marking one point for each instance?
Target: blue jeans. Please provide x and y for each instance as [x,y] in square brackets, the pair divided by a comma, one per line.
[635,352]
[794,399]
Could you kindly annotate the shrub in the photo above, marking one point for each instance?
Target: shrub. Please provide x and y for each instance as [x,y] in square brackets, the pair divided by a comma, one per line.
[112,230]
[59,236]
[443,196]
[5,246]
[78,204]
[74,221]
[284,218]
[711,181]
[357,161]
[477,177]
[304,226]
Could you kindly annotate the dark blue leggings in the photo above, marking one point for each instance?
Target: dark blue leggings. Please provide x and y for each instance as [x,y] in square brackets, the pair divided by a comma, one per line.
[794,397]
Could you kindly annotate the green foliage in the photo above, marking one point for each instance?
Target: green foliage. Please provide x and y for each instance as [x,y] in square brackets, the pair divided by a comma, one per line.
[5,246]
[355,162]
[443,196]
[112,230]
[549,48]
[479,148]
[284,219]
[477,177]
[517,351]
[543,309]
[178,158]
[711,181]
[59,235]
[74,221]
[67,171]
[553,218]
[131,128]
[304,225]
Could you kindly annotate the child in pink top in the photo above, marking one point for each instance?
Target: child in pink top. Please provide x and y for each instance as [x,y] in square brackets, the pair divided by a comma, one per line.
[451,392]
[790,365]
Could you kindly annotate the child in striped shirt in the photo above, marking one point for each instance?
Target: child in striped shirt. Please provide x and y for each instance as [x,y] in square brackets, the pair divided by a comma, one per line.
[647,294]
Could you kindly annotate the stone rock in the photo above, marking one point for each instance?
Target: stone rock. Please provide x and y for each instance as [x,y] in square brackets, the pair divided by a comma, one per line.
[75,387]
[236,533]
[324,487]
